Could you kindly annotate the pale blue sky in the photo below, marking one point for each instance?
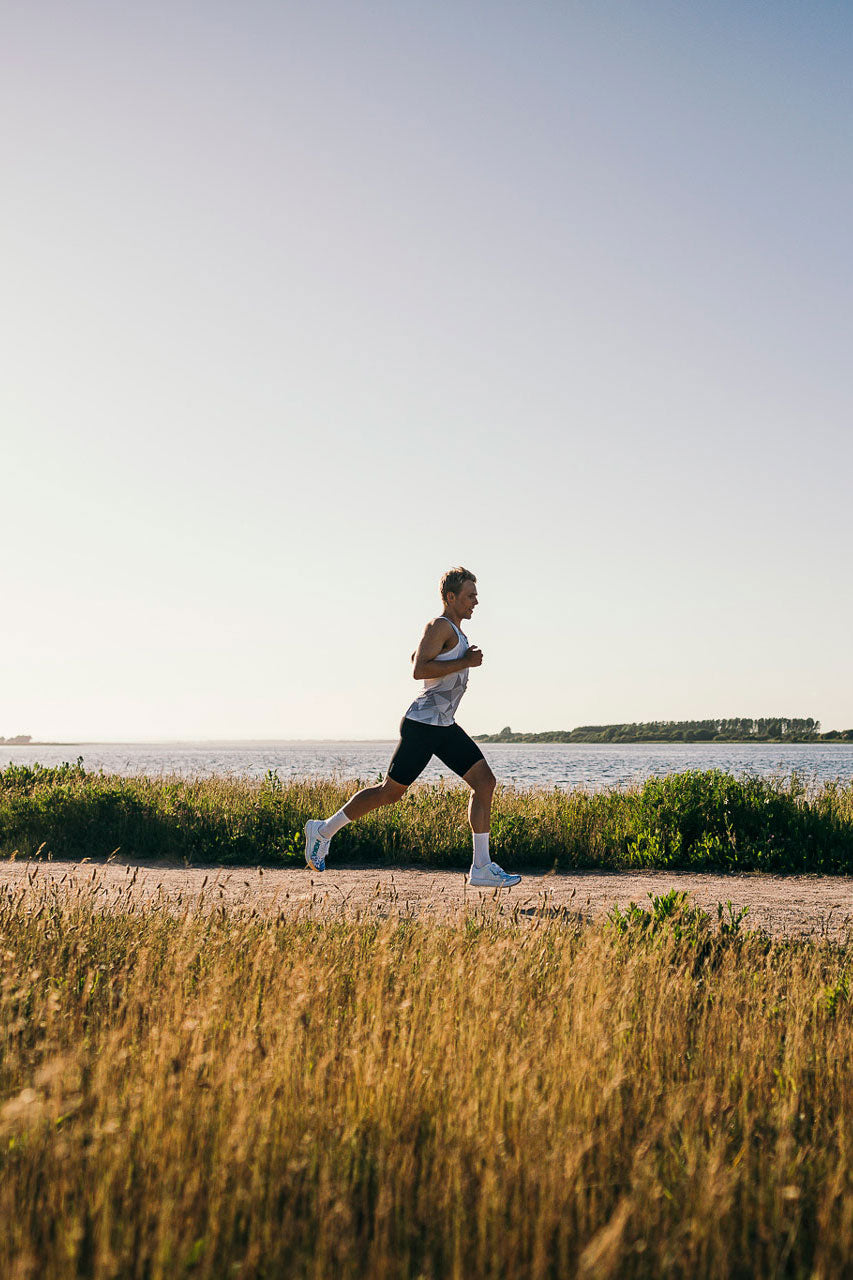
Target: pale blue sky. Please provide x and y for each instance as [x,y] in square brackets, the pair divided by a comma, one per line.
[307,302]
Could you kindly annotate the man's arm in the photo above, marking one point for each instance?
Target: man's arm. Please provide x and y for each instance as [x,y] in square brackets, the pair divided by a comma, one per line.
[432,644]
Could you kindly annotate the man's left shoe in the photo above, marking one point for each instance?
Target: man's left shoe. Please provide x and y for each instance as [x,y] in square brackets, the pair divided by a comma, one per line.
[491,877]
[316,847]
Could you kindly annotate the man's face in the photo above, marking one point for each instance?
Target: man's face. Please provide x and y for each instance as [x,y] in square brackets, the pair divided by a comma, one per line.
[465,599]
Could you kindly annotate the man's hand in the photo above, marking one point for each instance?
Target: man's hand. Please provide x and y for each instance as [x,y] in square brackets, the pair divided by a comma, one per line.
[438,637]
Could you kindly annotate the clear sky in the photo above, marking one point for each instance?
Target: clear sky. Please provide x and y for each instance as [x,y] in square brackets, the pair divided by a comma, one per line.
[307,302]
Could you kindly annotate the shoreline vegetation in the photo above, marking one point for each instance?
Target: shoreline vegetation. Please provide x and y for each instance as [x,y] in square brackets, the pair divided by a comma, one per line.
[772,729]
[776,729]
[693,820]
[660,1093]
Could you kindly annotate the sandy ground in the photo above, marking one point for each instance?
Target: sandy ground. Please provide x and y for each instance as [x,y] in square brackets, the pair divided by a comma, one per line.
[783,905]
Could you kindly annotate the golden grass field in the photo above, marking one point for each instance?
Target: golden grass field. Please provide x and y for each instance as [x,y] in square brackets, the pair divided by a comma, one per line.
[219,1093]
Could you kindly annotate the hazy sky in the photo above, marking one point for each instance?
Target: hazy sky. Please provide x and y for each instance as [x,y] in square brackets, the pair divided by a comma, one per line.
[306,302]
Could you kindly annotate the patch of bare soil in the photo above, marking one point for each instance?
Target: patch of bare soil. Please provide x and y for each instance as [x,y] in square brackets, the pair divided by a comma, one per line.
[818,906]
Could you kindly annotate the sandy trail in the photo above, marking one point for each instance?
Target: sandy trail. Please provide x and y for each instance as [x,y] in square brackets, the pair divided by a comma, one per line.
[783,905]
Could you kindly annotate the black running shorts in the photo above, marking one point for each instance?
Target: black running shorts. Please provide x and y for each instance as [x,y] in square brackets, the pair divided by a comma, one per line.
[420,742]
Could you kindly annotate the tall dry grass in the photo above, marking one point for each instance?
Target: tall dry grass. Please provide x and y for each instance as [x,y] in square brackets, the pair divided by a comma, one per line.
[228,1095]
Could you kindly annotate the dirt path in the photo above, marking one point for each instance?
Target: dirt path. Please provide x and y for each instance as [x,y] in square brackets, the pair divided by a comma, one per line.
[784,905]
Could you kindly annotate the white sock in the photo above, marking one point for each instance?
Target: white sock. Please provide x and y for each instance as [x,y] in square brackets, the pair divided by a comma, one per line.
[332,825]
[481,849]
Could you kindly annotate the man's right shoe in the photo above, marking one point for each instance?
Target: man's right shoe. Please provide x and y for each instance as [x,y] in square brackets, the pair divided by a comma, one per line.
[491,877]
[316,847]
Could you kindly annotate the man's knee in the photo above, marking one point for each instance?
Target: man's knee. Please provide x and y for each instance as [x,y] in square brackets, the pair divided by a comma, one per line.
[392,791]
[481,779]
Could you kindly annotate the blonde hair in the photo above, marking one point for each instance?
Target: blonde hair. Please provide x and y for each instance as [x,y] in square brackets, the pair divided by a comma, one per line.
[453,579]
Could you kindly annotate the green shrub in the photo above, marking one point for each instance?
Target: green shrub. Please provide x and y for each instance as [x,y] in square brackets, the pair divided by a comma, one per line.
[697,820]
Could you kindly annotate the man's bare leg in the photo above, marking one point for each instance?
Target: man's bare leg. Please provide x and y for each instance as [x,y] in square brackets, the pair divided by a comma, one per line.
[482,782]
[370,798]
[319,833]
[484,873]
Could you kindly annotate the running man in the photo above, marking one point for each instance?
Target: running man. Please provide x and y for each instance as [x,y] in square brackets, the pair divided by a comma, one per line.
[442,660]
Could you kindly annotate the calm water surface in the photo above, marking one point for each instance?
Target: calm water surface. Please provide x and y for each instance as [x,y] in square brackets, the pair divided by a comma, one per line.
[595,765]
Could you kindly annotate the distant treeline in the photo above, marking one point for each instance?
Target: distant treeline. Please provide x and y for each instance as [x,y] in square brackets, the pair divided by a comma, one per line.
[770,729]
[20,740]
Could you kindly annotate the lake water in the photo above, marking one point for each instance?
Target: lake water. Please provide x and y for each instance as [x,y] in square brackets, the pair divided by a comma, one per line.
[593,765]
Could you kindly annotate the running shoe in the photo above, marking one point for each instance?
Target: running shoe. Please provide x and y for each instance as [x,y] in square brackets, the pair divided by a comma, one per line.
[316,847]
[492,877]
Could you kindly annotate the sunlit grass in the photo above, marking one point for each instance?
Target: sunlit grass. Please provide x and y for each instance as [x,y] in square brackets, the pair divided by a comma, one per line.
[688,820]
[230,1095]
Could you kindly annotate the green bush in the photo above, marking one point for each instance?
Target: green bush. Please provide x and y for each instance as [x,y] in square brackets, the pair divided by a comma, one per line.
[697,820]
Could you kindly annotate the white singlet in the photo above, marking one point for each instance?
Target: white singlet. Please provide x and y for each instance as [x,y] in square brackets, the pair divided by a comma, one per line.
[442,694]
